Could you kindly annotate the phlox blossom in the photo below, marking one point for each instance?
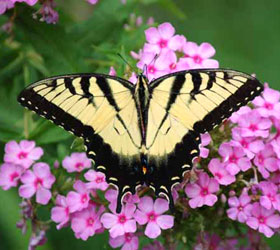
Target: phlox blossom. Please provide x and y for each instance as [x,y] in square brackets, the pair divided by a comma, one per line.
[234,158]
[10,175]
[60,213]
[220,173]
[263,220]
[23,153]
[268,105]
[155,67]
[76,162]
[266,161]
[119,224]
[86,223]
[252,124]
[250,145]
[152,213]
[201,192]
[270,197]
[97,180]
[198,57]
[128,241]
[80,199]
[163,38]
[38,181]
[240,208]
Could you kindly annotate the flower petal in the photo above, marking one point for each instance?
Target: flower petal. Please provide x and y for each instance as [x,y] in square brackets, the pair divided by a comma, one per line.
[165,221]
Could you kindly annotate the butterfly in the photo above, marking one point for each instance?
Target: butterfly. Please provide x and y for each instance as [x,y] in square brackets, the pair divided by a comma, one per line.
[147,133]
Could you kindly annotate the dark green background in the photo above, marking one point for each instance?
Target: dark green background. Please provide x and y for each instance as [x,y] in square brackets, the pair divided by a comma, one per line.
[245,33]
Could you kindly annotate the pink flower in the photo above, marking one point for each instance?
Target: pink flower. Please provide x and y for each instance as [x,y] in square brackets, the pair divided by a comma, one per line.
[220,173]
[250,145]
[155,67]
[162,38]
[80,199]
[270,198]
[86,222]
[77,162]
[152,213]
[252,124]
[24,153]
[39,181]
[240,208]
[201,192]
[10,175]
[97,180]
[128,241]
[205,140]
[169,61]
[29,2]
[60,213]
[119,224]
[5,5]
[268,105]
[112,71]
[263,220]
[234,158]
[266,161]
[92,1]
[198,56]
[237,115]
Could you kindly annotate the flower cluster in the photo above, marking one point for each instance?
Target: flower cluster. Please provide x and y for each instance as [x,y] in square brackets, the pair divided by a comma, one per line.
[237,172]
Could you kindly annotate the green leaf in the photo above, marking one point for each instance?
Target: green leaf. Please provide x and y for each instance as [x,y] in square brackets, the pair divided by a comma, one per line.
[45,132]
[173,8]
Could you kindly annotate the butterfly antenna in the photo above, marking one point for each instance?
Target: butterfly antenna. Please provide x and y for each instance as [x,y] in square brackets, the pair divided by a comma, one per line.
[126,62]
[145,69]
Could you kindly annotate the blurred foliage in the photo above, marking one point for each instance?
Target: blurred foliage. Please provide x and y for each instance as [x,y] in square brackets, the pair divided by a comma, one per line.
[87,38]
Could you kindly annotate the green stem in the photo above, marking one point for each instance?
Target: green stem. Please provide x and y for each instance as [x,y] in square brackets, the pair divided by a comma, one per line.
[25,123]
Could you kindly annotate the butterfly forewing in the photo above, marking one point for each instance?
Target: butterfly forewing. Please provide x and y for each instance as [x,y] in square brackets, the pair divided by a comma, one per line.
[183,105]
[102,111]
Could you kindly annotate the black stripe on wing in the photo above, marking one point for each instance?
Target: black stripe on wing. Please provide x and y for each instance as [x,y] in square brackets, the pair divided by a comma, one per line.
[125,175]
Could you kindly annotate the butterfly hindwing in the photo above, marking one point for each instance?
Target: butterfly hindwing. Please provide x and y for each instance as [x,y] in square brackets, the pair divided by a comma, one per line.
[102,111]
[183,105]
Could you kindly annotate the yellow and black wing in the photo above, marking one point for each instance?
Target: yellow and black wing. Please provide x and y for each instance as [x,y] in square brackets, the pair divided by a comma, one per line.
[183,105]
[100,109]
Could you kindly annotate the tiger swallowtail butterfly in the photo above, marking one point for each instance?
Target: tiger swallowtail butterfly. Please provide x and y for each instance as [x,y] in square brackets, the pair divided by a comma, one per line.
[147,133]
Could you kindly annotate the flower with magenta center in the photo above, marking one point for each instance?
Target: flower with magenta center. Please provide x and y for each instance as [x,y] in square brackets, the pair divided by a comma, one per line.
[97,180]
[201,192]
[24,153]
[263,220]
[86,223]
[162,38]
[38,181]
[119,224]
[152,213]
[234,158]
[197,57]
[76,162]
[128,241]
[10,175]
[240,208]
[80,199]
[60,213]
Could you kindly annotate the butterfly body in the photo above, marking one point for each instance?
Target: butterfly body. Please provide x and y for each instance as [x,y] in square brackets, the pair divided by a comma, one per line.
[148,133]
